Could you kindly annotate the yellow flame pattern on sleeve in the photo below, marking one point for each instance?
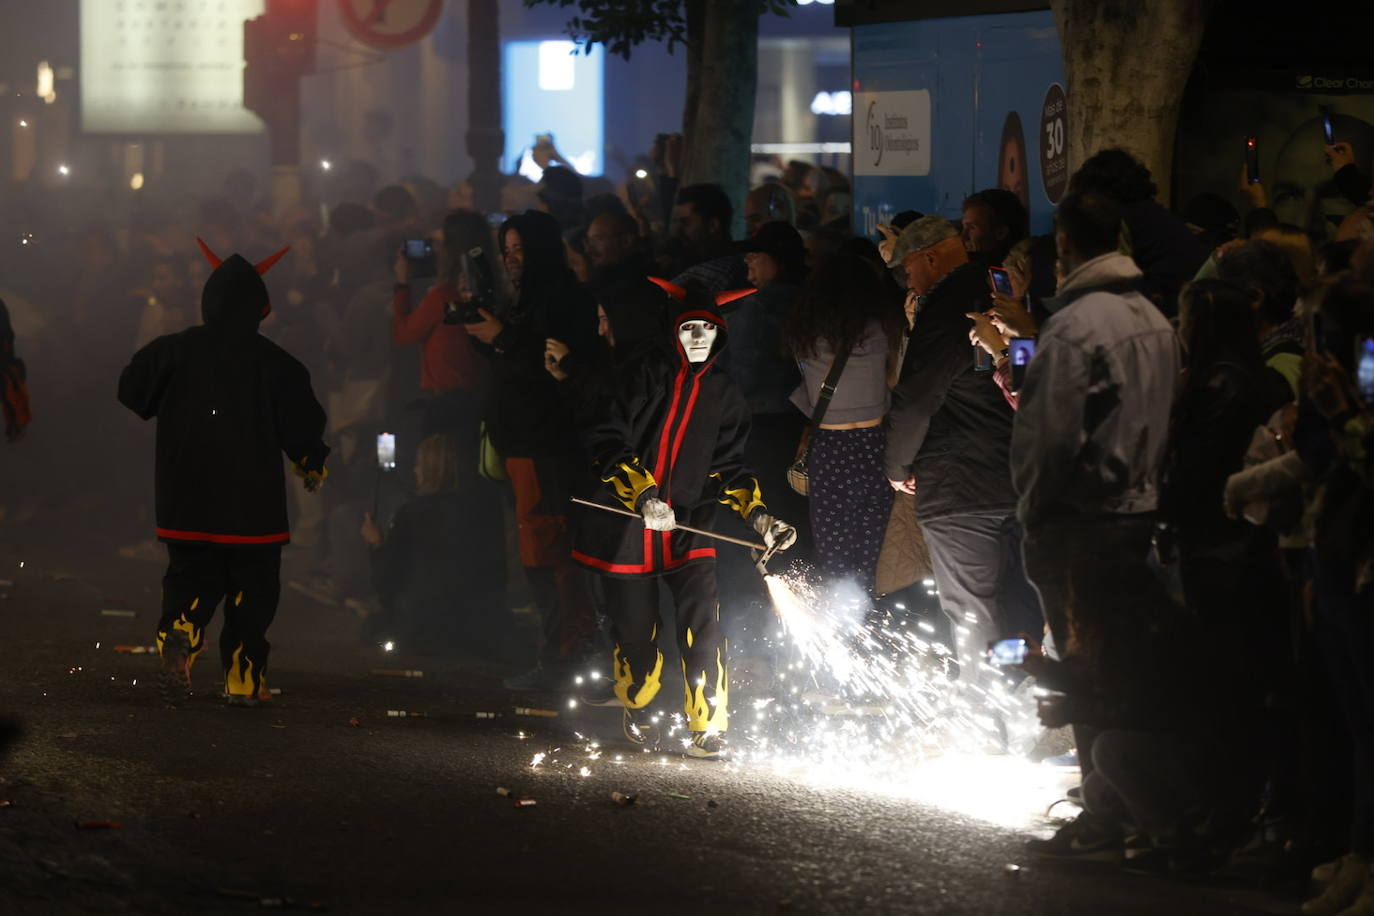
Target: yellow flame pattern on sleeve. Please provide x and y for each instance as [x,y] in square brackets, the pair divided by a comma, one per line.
[629,481]
[299,470]
[744,498]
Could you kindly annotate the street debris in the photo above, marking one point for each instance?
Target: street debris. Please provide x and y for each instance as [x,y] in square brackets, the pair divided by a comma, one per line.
[1012,869]
[398,672]
[403,714]
[271,903]
[487,715]
[6,803]
[679,795]
[133,650]
[99,825]
[544,713]
[503,791]
[116,612]
[620,798]
[355,722]
[525,803]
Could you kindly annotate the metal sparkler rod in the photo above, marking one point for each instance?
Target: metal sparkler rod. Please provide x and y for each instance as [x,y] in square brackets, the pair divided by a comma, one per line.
[708,534]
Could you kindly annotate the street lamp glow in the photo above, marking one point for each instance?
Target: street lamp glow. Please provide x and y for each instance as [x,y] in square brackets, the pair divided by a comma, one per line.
[136,181]
[63,170]
[23,123]
[640,173]
[326,165]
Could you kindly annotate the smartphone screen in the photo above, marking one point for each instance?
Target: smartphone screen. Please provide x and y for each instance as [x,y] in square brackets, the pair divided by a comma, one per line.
[386,451]
[1000,280]
[1252,158]
[1327,133]
[1022,349]
[418,249]
[1007,652]
[1364,369]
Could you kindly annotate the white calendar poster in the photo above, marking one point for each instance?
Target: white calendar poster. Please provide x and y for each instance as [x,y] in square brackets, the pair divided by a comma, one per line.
[164,66]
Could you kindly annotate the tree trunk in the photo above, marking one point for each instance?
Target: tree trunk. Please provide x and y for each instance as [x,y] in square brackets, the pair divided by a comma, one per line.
[724,113]
[485,138]
[695,13]
[1126,63]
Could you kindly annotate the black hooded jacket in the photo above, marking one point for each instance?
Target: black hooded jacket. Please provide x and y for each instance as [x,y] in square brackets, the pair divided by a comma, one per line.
[675,431]
[229,403]
[950,425]
[525,418]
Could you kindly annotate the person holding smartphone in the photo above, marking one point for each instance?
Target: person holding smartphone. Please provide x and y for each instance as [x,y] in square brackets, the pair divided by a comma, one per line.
[949,432]
[452,375]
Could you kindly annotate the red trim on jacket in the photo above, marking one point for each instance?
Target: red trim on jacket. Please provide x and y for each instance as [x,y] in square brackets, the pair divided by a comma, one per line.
[641,568]
[280,538]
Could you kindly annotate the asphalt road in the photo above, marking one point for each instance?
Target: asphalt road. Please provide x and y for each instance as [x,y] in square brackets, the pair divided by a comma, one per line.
[227,810]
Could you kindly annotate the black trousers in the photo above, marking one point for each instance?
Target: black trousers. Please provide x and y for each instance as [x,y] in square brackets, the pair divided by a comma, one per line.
[1089,569]
[976,560]
[248,581]
[632,605]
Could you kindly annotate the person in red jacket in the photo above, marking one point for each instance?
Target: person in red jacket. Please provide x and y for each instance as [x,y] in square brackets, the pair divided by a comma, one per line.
[452,374]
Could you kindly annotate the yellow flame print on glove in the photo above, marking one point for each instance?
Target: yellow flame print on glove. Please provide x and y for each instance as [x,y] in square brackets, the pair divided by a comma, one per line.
[629,481]
[744,498]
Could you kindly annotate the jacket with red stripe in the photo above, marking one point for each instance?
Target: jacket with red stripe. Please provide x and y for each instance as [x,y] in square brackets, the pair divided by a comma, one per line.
[676,432]
[228,402]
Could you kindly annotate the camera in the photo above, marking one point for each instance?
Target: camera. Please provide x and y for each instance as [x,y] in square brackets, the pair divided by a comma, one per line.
[1022,349]
[386,451]
[1006,652]
[1000,280]
[481,287]
[420,254]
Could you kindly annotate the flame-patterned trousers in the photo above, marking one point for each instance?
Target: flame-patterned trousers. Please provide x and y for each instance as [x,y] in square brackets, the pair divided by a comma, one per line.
[248,581]
[632,605]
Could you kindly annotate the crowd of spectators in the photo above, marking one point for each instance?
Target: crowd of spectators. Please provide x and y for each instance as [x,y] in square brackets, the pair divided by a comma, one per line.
[1172,501]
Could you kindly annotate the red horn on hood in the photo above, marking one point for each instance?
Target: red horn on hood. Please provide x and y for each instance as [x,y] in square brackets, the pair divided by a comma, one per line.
[730,295]
[265,264]
[210,256]
[669,287]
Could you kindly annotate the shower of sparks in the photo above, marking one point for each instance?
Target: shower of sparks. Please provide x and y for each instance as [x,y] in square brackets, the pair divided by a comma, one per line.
[874,703]
[879,705]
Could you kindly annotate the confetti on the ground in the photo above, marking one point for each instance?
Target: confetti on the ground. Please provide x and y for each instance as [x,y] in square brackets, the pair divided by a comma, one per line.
[679,795]
[487,715]
[133,650]
[503,791]
[6,803]
[404,714]
[543,713]
[355,722]
[398,672]
[525,802]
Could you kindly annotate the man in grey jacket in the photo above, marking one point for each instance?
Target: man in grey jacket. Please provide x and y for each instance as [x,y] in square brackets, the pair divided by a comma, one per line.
[1089,440]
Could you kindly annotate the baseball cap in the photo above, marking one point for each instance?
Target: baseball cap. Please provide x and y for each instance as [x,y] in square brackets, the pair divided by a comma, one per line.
[924,232]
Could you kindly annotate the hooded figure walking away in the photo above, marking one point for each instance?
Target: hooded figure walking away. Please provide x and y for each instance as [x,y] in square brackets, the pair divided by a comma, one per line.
[671,447]
[229,402]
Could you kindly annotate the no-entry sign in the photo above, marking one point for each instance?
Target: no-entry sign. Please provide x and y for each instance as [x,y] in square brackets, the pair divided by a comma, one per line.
[390,24]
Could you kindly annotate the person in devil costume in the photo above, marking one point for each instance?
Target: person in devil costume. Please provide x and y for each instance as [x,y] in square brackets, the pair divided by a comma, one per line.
[229,402]
[671,447]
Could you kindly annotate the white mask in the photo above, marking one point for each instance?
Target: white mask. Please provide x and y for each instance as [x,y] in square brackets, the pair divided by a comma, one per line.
[697,338]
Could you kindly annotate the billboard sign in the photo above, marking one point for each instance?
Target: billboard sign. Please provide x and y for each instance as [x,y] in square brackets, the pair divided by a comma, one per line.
[164,68]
